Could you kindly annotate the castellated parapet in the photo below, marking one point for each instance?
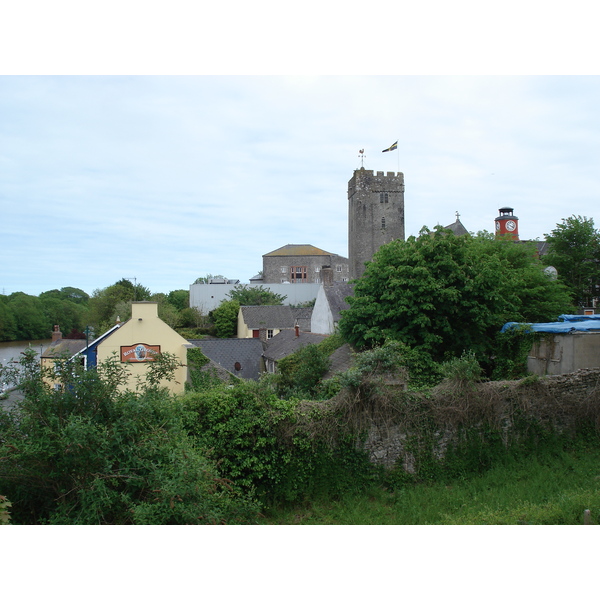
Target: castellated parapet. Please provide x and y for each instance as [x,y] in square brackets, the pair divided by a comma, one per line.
[375,215]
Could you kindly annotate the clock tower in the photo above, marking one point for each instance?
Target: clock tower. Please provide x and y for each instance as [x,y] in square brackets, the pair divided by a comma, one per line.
[507,223]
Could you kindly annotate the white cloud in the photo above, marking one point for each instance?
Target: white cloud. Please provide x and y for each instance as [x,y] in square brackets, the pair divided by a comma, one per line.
[206,174]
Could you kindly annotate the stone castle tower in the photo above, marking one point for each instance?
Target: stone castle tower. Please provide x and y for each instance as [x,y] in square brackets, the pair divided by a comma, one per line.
[375,215]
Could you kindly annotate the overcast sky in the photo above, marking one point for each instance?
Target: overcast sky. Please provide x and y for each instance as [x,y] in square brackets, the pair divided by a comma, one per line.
[166,179]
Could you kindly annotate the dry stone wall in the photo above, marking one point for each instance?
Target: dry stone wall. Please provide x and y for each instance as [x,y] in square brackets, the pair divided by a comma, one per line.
[562,403]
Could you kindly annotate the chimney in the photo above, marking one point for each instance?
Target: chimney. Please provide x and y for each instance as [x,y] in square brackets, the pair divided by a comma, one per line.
[327,275]
[297,328]
[56,334]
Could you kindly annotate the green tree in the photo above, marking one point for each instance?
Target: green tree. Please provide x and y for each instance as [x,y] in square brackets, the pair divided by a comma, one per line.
[191,317]
[90,454]
[75,295]
[8,326]
[166,311]
[445,294]
[180,299]
[208,277]
[248,295]
[225,317]
[300,373]
[65,313]
[28,313]
[574,250]
[103,303]
[67,293]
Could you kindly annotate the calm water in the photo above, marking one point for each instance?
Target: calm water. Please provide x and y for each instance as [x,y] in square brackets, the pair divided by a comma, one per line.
[12,350]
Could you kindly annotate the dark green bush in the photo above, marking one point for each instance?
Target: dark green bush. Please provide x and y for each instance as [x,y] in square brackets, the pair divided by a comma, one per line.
[93,455]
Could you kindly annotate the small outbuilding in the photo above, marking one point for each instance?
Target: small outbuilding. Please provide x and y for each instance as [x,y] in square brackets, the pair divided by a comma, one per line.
[570,344]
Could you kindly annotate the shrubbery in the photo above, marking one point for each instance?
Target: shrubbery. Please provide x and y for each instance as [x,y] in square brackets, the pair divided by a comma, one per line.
[93,455]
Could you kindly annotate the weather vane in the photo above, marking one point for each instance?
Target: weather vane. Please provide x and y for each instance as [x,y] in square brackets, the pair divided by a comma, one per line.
[361,155]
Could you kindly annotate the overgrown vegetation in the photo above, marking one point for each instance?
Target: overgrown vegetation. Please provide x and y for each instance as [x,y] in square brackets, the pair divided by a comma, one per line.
[552,487]
[93,455]
[256,295]
[228,452]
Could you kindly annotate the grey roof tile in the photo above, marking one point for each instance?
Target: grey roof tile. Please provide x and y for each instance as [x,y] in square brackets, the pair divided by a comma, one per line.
[336,297]
[268,317]
[247,352]
[286,342]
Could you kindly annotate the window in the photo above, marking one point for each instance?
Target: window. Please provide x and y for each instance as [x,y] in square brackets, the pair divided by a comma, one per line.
[298,274]
[338,268]
[317,280]
[382,222]
[317,269]
[284,269]
[383,197]
[269,334]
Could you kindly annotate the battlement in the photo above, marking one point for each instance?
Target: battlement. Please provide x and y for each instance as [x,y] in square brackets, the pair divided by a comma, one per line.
[362,172]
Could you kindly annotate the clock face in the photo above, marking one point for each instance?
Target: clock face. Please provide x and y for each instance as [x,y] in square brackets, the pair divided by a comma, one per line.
[511,225]
[497,225]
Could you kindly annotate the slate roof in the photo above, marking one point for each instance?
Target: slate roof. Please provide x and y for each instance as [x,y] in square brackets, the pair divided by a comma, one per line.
[63,348]
[286,342]
[299,250]
[302,315]
[457,228]
[341,360]
[336,297]
[227,352]
[268,317]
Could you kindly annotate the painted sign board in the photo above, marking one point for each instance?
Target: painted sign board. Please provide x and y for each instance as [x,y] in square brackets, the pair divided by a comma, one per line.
[139,353]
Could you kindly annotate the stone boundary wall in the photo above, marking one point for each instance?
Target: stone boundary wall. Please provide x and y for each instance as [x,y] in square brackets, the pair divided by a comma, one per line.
[557,401]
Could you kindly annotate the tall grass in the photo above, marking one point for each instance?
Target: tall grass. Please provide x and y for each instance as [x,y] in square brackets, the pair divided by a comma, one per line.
[540,490]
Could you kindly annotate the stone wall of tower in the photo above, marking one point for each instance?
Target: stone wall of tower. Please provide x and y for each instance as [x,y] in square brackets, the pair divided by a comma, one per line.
[375,215]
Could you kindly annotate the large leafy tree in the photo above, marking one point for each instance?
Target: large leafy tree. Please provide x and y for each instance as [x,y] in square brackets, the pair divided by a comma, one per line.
[224,318]
[574,250]
[180,299]
[248,295]
[8,325]
[28,312]
[445,294]
[103,303]
[67,315]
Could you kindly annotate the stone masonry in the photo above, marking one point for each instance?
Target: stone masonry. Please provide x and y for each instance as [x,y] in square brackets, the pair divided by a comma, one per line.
[375,215]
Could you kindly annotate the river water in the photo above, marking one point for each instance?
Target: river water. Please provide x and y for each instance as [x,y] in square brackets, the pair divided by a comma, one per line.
[12,350]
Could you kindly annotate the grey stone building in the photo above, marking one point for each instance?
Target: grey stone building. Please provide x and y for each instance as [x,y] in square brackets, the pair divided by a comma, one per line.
[375,215]
[302,263]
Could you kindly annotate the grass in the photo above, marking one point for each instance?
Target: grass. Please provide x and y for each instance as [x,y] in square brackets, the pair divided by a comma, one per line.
[540,490]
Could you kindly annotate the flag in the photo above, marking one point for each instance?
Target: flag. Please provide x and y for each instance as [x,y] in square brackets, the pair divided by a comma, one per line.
[394,146]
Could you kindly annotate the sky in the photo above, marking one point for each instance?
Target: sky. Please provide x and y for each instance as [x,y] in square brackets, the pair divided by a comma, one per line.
[168,178]
[163,172]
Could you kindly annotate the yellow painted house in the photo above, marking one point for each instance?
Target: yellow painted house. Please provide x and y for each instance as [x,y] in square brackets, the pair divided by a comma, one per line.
[137,341]
[263,322]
